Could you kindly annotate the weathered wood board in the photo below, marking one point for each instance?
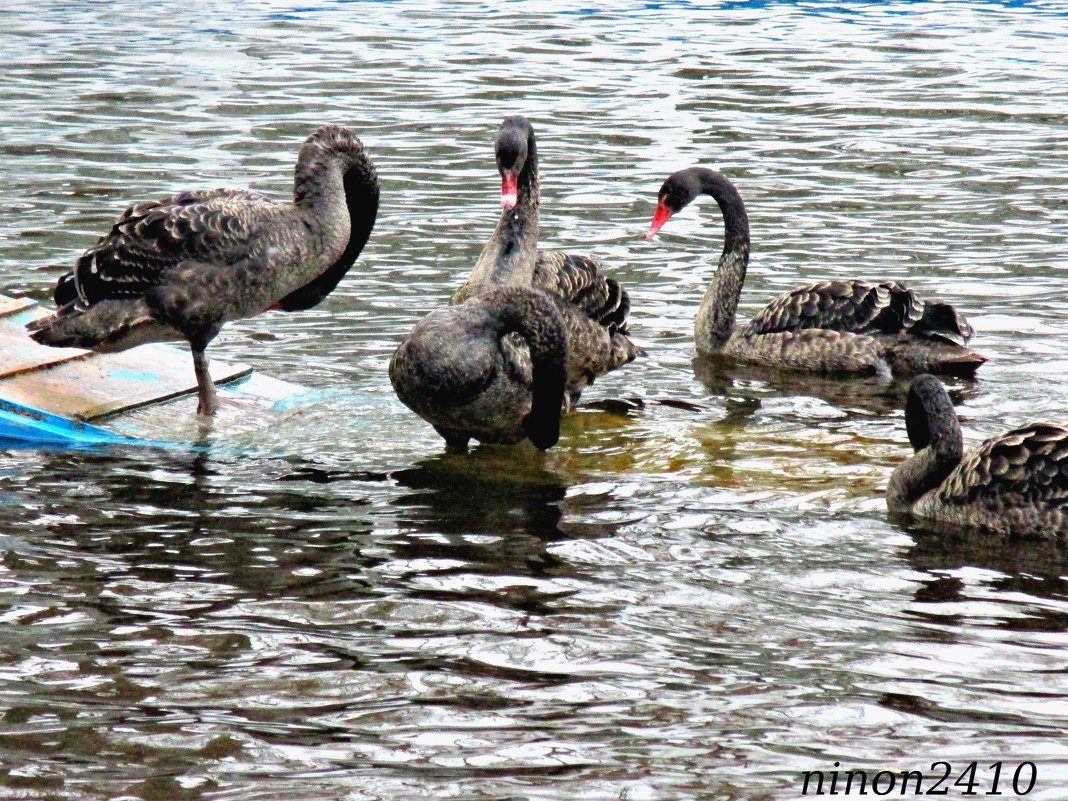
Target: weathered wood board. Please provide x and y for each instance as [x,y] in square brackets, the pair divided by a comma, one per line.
[54,393]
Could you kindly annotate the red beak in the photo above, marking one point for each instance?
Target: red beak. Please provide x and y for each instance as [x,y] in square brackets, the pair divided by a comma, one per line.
[660,216]
[509,191]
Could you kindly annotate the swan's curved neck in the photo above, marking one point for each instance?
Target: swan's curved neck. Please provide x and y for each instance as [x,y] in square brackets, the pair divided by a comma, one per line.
[533,316]
[317,194]
[935,434]
[361,201]
[508,258]
[318,183]
[715,315]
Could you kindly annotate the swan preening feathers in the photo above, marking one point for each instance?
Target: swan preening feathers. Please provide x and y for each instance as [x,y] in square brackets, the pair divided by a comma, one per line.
[1015,483]
[500,382]
[493,368]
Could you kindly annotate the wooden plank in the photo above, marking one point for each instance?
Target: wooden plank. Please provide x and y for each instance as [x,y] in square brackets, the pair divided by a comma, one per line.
[110,383]
[81,385]
[14,305]
[18,352]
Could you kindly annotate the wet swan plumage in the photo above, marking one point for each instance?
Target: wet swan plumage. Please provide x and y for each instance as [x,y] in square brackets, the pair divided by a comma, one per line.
[593,307]
[492,368]
[1015,483]
[181,267]
[482,367]
[830,327]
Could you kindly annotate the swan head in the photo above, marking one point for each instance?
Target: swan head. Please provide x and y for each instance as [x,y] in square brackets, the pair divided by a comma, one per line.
[677,192]
[333,143]
[930,417]
[333,148]
[512,148]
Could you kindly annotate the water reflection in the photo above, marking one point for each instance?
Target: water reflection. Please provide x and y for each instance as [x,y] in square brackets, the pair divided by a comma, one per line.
[864,395]
[698,593]
[496,492]
[176,518]
[1031,561]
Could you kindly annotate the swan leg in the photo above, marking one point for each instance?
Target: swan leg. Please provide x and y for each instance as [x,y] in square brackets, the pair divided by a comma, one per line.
[208,401]
[455,441]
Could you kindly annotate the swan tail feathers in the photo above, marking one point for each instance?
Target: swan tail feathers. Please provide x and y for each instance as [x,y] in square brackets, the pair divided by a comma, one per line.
[963,364]
[103,326]
[913,355]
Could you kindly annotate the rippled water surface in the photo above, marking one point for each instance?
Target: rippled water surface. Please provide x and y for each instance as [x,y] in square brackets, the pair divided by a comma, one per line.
[674,602]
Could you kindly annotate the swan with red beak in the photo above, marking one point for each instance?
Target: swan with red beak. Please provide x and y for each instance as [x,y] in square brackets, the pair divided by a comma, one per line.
[660,216]
[513,151]
[593,306]
[509,189]
[858,327]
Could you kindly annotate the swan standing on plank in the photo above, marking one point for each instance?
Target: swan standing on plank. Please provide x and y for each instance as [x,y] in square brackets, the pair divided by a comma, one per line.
[461,371]
[830,327]
[594,308]
[1015,483]
[182,267]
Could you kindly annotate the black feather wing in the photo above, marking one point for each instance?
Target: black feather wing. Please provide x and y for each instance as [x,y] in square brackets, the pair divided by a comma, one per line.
[1022,467]
[859,307]
[848,306]
[214,226]
[579,280]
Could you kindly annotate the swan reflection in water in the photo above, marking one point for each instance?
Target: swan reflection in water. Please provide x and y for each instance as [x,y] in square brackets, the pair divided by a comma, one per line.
[492,512]
[167,515]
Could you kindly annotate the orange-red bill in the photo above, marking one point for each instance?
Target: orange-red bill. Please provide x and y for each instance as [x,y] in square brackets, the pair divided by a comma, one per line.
[509,191]
[660,216]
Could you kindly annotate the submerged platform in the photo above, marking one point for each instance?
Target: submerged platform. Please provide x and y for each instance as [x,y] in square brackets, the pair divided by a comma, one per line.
[54,396]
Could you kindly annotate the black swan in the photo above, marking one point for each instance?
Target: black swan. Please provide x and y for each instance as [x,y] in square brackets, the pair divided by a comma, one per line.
[830,327]
[461,371]
[1015,483]
[180,268]
[594,308]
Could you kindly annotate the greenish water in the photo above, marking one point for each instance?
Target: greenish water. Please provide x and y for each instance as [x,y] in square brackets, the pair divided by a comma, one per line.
[674,602]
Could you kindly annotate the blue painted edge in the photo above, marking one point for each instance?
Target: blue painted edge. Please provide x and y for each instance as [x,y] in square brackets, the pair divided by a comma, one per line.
[23,426]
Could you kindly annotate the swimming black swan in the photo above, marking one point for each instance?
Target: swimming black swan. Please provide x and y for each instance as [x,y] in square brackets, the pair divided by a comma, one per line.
[594,308]
[1015,483]
[830,327]
[180,268]
[461,371]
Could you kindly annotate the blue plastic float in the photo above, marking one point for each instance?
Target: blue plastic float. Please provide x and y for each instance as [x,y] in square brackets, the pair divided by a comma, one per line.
[56,397]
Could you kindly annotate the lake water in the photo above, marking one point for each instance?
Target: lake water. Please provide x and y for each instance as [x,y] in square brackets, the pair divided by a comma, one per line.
[672,603]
